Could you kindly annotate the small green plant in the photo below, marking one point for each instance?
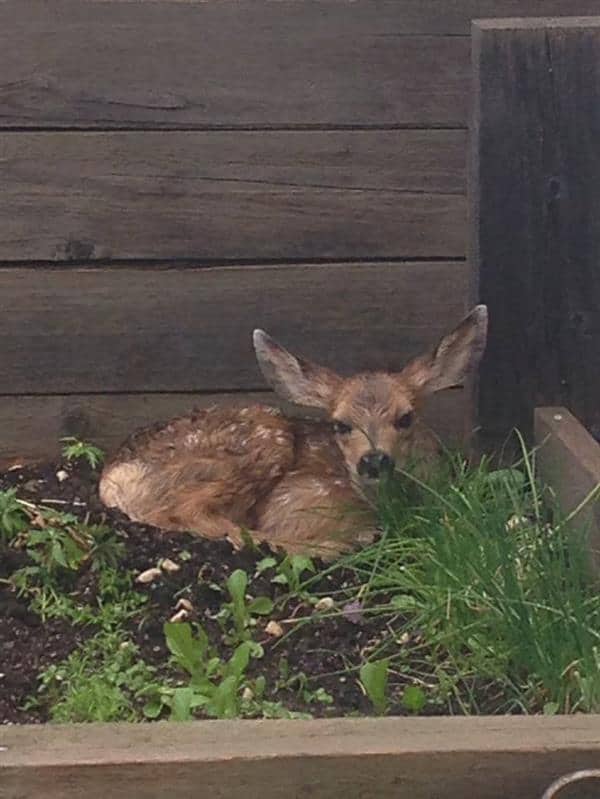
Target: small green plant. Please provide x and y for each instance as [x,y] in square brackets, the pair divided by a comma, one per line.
[115,600]
[414,699]
[290,571]
[374,679]
[214,685]
[217,688]
[101,681]
[74,450]
[59,546]
[106,550]
[301,684]
[59,543]
[238,616]
[13,517]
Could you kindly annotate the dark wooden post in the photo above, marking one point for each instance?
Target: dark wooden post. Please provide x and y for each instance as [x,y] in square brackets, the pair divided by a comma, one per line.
[535,189]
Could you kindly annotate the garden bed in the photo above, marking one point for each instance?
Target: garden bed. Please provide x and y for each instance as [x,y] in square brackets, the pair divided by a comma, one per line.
[83,639]
[31,644]
[476,599]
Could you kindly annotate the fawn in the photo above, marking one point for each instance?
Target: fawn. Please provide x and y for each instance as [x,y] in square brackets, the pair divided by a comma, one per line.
[303,485]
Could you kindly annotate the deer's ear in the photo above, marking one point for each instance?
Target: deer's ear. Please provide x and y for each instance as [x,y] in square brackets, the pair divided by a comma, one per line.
[456,356]
[295,379]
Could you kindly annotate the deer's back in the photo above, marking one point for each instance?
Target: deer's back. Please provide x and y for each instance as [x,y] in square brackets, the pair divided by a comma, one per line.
[221,458]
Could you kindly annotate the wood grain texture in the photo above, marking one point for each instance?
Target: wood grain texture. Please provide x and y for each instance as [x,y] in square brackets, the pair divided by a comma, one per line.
[536,217]
[569,461]
[31,426]
[75,63]
[243,195]
[120,330]
[97,63]
[488,758]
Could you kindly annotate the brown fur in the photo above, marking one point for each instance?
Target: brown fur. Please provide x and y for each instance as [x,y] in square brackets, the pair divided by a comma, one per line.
[292,483]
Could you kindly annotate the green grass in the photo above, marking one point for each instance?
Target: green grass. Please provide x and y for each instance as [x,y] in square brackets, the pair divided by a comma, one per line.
[487,589]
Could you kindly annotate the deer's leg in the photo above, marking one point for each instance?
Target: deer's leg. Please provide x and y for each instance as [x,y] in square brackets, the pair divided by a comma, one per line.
[319,516]
[202,521]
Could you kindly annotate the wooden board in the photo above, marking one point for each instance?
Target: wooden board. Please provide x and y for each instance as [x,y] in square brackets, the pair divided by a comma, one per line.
[75,63]
[487,758]
[89,63]
[146,329]
[243,195]
[536,217]
[31,426]
[569,461]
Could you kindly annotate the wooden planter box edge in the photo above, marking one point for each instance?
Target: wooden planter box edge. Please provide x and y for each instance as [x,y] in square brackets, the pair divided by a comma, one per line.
[488,757]
[568,460]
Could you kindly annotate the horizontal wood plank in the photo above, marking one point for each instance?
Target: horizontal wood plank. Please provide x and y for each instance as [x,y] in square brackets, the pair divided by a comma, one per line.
[539,23]
[488,758]
[211,64]
[81,63]
[121,330]
[31,426]
[243,195]
[102,63]
[569,461]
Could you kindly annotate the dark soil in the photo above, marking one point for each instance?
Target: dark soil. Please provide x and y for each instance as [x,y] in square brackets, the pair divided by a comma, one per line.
[27,645]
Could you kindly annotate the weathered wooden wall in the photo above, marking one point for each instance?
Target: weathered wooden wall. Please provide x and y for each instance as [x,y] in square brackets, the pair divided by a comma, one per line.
[536,216]
[174,173]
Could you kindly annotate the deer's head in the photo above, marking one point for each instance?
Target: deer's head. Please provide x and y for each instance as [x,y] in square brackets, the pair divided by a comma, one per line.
[374,414]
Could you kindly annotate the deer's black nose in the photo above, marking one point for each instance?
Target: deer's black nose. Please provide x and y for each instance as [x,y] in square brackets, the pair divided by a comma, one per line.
[374,464]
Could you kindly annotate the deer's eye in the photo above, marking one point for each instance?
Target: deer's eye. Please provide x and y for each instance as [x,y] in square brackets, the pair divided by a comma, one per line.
[404,421]
[341,428]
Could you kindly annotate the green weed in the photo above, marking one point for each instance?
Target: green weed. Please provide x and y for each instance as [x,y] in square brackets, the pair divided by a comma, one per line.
[13,517]
[74,450]
[100,682]
[59,546]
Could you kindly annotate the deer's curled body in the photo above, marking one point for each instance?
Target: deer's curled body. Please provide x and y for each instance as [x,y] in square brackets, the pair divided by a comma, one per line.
[300,485]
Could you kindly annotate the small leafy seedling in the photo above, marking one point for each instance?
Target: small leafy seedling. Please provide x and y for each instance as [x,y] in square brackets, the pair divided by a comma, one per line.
[58,544]
[106,549]
[374,679]
[239,610]
[13,518]
[414,699]
[75,450]
[214,684]
[290,571]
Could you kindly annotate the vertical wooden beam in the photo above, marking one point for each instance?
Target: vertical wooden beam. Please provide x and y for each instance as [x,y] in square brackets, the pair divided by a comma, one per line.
[535,203]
